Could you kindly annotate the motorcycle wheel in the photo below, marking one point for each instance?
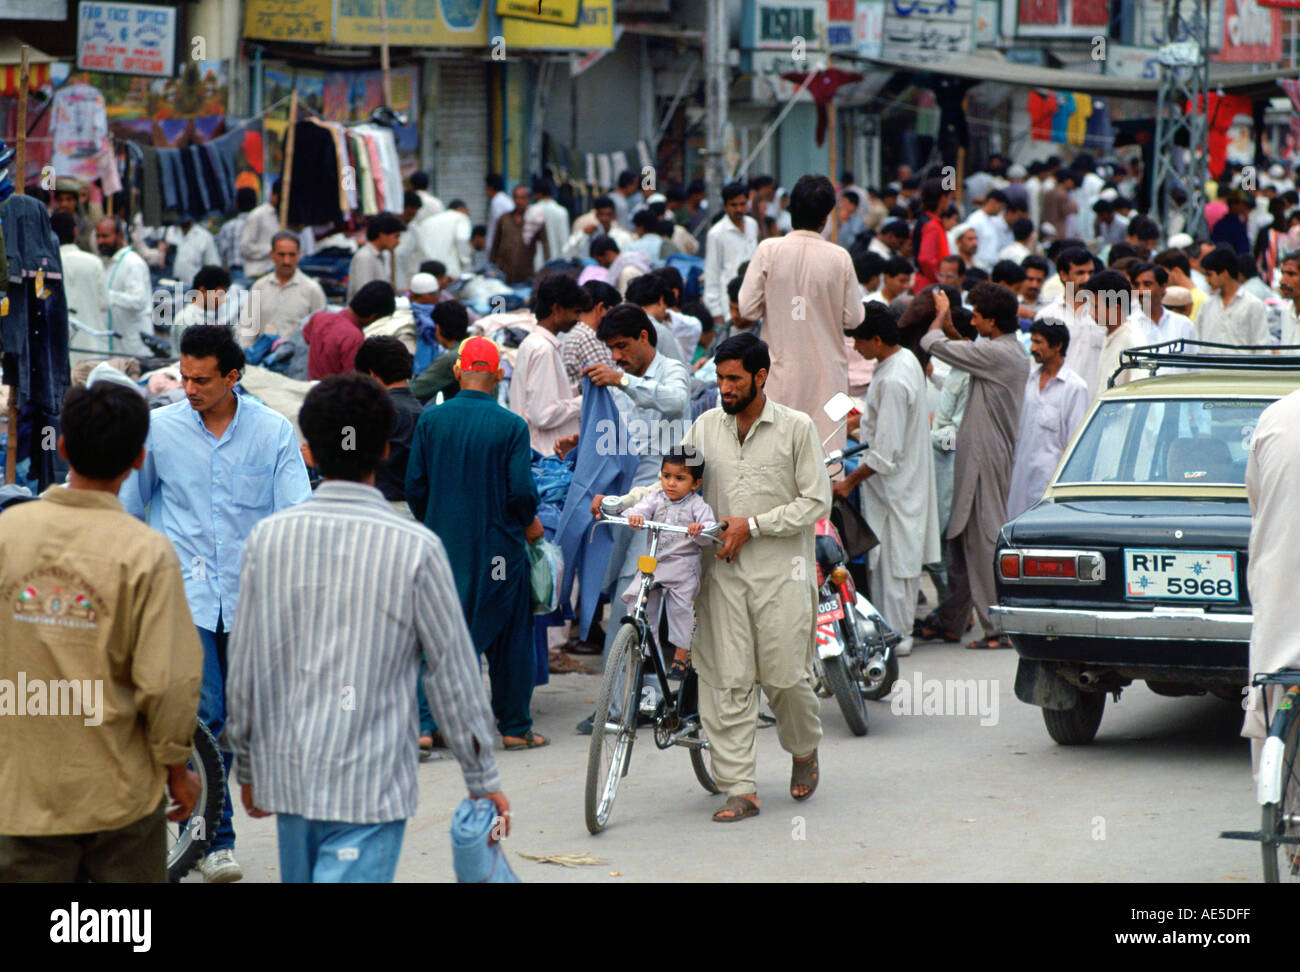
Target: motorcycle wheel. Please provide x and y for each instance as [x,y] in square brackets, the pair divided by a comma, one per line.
[847,694]
[189,841]
[878,690]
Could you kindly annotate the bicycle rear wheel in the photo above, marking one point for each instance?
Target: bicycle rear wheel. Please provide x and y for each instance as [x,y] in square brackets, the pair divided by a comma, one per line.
[189,841]
[612,738]
[1282,861]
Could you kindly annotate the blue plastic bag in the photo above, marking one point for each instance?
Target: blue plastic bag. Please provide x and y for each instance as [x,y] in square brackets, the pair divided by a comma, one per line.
[475,861]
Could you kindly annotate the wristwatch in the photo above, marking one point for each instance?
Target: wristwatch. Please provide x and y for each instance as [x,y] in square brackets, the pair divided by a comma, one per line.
[623,381]
[753,526]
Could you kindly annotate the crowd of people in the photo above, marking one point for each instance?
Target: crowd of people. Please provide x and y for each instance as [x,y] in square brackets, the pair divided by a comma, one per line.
[321,595]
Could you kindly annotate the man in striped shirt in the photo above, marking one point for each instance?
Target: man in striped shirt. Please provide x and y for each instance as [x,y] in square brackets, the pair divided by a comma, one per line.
[342,599]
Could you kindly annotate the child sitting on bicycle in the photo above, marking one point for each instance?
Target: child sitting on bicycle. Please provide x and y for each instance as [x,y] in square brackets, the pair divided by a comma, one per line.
[675,500]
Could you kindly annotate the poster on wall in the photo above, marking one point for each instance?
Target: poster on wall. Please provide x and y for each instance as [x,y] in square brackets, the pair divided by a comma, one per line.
[127,38]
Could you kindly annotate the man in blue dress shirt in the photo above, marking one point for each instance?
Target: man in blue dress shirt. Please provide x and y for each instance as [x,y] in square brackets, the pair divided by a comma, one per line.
[214,466]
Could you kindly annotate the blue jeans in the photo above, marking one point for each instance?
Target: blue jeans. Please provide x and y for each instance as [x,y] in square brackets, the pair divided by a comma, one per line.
[427,726]
[329,852]
[212,710]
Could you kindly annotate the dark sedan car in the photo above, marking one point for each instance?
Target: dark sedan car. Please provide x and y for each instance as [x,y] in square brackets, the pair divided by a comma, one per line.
[1133,564]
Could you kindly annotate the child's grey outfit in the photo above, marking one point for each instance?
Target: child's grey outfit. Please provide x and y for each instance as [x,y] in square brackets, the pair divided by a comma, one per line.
[679,561]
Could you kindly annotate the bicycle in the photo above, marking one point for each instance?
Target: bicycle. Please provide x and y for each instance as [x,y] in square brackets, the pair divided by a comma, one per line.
[676,719]
[1277,787]
[189,840]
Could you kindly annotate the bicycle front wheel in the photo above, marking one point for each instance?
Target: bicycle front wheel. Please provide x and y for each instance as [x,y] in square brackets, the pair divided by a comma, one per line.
[1282,861]
[612,736]
[189,841]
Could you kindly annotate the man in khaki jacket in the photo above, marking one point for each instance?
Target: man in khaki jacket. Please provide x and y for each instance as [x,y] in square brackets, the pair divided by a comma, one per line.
[100,666]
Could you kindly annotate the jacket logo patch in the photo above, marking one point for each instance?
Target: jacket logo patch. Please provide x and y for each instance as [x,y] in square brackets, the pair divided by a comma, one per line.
[55,596]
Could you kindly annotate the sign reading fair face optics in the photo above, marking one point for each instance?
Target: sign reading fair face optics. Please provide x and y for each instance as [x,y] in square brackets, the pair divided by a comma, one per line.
[925,31]
[127,38]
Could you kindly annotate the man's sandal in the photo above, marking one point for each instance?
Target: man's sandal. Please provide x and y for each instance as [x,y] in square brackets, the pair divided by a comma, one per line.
[529,740]
[803,772]
[738,807]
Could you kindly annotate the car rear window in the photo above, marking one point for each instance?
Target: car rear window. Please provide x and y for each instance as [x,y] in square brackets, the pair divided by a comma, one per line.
[1183,441]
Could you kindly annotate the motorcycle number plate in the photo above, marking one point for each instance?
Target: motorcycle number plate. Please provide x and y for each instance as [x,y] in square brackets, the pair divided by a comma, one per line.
[829,611]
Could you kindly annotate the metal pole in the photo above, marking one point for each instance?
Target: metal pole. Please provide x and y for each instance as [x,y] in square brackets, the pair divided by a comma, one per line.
[383,53]
[715,88]
[286,181]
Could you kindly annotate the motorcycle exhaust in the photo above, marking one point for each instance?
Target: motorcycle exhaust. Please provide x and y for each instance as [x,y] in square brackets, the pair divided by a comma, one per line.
[876,668]
[1088,678]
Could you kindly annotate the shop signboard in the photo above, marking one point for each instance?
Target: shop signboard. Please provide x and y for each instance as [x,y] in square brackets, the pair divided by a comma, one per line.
[925,31]
[127,38]
[413,23]
[304,21]
[593,31]
[563,12]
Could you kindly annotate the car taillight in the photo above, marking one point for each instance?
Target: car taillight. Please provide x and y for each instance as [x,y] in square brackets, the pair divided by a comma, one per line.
[1057,568]
[1010,565]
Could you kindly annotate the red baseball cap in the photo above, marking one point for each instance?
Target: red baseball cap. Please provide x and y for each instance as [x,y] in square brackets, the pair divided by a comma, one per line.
[479,354]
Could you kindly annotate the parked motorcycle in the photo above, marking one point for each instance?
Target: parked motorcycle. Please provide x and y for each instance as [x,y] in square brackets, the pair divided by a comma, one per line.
[855,658]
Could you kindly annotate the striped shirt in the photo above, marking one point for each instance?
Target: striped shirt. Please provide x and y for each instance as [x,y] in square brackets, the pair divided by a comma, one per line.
[341,599]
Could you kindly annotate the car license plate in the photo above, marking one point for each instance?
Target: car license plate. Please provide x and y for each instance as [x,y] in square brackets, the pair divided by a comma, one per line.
[1202,575]
[829,611]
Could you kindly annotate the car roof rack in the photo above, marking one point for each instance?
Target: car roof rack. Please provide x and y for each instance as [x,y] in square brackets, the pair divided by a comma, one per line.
[1207,356]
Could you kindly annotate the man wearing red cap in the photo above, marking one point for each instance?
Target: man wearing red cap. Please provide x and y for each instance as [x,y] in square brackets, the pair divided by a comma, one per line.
[484,520]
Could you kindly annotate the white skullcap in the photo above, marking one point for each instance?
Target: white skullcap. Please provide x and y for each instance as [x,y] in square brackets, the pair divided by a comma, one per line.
[1180,241]
[424,283]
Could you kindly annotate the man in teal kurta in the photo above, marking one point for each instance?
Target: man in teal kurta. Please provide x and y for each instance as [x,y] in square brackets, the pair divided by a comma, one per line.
[474,455]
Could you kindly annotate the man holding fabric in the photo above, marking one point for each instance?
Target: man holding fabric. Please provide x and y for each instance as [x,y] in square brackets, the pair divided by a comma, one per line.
[652,392]
[756,612]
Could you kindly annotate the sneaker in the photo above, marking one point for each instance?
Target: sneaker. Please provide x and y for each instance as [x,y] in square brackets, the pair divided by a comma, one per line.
[904,648]
[220,867]
[585,726]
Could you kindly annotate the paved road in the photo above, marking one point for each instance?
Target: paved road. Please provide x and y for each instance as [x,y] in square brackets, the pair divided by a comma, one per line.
[921,798]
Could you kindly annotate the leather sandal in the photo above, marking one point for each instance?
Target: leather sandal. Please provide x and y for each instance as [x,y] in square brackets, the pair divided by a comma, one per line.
[739,808]
[804,772]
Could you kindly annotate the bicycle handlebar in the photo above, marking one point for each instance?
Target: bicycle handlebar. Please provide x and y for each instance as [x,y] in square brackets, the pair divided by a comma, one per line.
[709,534]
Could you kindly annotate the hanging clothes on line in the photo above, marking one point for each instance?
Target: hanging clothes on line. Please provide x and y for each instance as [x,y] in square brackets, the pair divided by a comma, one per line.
[1077,126]
[1042,108]
[34,332]
[314,177]
[381,146]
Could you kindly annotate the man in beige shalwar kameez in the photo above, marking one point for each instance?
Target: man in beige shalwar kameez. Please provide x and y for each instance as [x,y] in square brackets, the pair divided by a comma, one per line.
[806,291]
[756,611]
[1272,472]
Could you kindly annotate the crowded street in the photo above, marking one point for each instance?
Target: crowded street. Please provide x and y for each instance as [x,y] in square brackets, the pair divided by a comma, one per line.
[751,441]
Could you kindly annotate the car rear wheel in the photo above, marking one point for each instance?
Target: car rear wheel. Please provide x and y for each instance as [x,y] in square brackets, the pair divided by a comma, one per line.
[1076,726]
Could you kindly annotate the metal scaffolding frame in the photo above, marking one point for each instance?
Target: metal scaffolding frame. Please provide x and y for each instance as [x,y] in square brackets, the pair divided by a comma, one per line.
[1185,77]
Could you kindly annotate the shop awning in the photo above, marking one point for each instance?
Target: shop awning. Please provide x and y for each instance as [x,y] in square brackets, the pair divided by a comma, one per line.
[1000,70]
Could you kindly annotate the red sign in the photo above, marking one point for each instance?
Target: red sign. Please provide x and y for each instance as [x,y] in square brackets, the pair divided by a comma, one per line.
[1251,33]
[1042,12]
[1090,13]
[1284,4]
[846,10]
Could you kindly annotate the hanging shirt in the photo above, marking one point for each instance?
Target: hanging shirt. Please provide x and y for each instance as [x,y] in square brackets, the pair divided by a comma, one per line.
[79,130]
[1100,133]
[1077,126]
[1061,119]
[1042,109]
[1048,420]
